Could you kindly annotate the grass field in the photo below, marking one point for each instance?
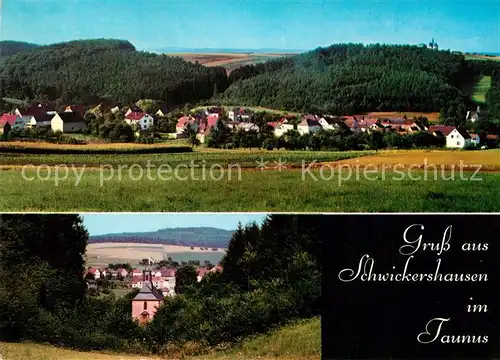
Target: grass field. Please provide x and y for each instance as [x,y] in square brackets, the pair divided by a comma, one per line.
[480,89]
[301,341]
[101,254]
[366,184]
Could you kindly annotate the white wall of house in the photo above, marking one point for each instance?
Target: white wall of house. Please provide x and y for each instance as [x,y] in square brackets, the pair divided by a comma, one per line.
[57,124]
[455,140]
[282,129]
[306,129]
[145,122]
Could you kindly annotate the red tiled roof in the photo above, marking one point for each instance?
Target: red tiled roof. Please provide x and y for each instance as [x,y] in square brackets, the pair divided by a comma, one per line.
[443,129]
[8,119]
[181,122]
[272,124]
[135,116]
[168,273]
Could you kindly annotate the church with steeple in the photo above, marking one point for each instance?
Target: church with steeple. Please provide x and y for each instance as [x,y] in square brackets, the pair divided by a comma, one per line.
[147,301]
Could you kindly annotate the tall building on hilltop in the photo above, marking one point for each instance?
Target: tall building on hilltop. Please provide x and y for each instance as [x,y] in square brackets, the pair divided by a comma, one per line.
[148,300]
[433,45]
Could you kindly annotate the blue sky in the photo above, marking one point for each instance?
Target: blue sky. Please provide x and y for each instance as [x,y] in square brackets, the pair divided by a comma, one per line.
[99,224]
[286,24]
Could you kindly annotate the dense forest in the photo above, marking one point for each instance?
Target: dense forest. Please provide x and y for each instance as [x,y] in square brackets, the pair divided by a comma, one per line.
[271,276]
[353,78]
[85,71]
[8,48]
[341,79]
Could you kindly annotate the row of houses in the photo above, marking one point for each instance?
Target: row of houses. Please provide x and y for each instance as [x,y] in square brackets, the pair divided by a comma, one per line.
[71,120]
[163,279]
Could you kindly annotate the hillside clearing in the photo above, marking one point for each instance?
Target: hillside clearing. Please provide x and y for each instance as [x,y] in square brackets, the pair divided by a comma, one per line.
[301,341]
[480,90]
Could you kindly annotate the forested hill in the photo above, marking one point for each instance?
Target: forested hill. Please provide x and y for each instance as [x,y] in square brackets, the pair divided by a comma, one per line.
[82,71]
[351,78]
[8,48]
[195,236]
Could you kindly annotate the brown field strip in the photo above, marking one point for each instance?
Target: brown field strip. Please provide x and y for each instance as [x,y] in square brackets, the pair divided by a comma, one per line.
[433,116]
[488,160]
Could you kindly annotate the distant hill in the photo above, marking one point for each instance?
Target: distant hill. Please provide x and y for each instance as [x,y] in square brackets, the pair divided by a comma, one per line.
[84,71]
[8,48]
[190,236]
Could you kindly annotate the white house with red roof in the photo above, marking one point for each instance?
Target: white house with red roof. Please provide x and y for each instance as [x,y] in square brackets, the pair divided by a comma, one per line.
[95,271]
[7,123]
[183,123]
[441,130]
[201,273]
[140,120]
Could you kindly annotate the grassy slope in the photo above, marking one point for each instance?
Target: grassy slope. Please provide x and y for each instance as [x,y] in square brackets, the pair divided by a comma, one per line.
[300,341]
[480,89]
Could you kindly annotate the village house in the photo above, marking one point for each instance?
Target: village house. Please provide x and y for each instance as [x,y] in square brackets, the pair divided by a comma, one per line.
[67,122]
[441,130]
[239,114]
[95,272]
[201,272]
[184,122]
[205,127]
[352,123]
[132,109]
[160,113]
[458,139]
[40,120]
[76,109]
[146,303]
[139,120]
[136,272]
[309,125]
[247,127]
[115,110]
[122,272]
[6,123]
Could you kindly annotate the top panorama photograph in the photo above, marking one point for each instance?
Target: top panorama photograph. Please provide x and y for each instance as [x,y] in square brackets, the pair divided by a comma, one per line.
[250,106]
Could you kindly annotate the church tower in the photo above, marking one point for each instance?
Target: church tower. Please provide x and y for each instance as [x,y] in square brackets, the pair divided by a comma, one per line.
[148,300]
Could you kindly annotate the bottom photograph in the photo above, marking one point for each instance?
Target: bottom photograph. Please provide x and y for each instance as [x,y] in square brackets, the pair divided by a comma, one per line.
[159,286]
[150,286]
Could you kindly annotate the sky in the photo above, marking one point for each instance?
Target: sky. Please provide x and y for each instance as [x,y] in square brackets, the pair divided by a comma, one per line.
[109,223]
[151,25]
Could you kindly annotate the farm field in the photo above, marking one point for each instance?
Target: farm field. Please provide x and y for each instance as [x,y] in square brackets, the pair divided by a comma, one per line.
[106,253]
[482,57]
[252,108]
[432,117]
[301,341]
[480,89]
[206,157]
[369,184]
[230,61]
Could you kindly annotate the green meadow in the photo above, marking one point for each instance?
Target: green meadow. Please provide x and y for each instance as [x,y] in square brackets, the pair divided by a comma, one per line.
[250,190]
[480,89]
